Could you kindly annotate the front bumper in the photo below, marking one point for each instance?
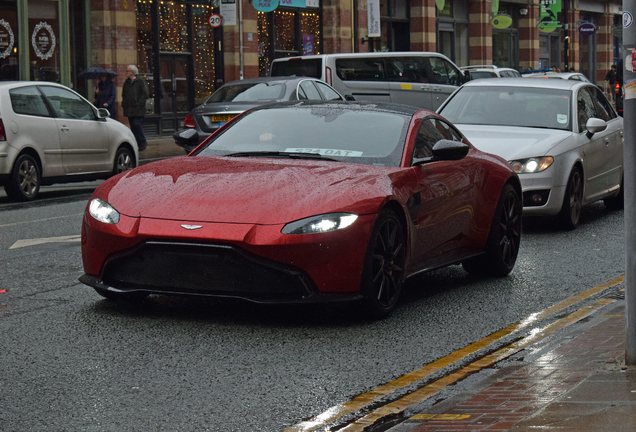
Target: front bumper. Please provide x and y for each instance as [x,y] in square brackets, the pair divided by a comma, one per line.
[253,262]
[542,182]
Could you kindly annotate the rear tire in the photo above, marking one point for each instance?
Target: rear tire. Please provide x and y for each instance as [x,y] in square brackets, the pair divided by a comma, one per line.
[124,160]
[24,181]
[383,272]
[570,213]
[503,243]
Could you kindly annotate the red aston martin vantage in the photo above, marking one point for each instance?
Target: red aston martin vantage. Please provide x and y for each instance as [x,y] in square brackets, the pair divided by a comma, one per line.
[305,202]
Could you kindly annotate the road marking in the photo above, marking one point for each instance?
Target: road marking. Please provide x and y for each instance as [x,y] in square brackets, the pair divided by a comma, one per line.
[34,242]
[438,417]
[426,392]
[40,220]
[410,378]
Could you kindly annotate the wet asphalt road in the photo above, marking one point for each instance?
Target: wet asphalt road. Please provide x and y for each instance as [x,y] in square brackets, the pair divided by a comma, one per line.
[70,360]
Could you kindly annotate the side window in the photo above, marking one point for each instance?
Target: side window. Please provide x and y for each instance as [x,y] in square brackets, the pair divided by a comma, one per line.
[604,109]
[444,72]
[406,69]
[328,92]
[427,135]
[28,100]
[360,69]
[310,90]
[447,131]
[584,108]
[67,104]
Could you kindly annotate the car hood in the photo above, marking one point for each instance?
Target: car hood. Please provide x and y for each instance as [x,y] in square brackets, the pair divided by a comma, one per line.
[513,142]
[247,190]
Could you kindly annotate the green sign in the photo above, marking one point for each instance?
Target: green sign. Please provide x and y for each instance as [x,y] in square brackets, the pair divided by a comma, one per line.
[501,21]
[548,17]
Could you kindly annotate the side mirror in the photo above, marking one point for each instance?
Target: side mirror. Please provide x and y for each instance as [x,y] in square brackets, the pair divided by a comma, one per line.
[102,113]
[594,125]
[446,150]
[186,138]
[350,98]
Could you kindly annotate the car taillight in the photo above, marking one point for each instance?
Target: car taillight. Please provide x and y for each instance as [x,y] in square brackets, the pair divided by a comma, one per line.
[3,135]
[328,75]
[617,87]
[189,122]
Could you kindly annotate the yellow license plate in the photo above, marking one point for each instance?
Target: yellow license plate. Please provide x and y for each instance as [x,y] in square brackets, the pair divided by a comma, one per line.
[221,117]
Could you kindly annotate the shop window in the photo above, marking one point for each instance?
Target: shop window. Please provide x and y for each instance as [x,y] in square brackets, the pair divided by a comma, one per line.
[44,34]
[173,32]
[204,52]
[9,70]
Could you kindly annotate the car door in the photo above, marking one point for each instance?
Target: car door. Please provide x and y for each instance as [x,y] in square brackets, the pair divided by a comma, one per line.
[445,79]
[362,77]
[613,137]
[84,139]
[35,127]
[441,205]
[408,81]
[595,149]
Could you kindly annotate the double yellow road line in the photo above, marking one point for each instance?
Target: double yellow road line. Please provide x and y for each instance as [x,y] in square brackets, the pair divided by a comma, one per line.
[418,396]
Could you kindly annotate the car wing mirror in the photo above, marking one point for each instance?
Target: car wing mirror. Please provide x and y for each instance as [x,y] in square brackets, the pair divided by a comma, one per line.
[186,137]
[445,150]
[350,98]
[594,125]
[102,113]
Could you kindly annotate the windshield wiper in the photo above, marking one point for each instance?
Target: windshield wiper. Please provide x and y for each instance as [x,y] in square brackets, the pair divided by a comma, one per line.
[290,155]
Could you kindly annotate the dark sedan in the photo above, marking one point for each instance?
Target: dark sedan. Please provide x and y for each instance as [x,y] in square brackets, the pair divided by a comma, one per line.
[238,96]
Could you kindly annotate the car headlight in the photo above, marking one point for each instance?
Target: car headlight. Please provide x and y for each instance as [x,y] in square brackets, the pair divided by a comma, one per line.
[531,165]
[320,224]
[103,212]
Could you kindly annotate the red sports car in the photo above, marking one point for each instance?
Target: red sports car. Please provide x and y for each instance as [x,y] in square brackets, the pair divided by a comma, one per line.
[305,202]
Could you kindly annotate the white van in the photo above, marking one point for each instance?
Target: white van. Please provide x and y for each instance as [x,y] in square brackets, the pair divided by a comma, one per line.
[421,79]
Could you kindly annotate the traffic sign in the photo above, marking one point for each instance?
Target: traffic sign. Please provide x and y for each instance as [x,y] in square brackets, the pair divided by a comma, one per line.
[215,20]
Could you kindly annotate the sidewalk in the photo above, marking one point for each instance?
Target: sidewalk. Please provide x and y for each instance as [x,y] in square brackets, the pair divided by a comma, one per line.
[578,384]
[160,148]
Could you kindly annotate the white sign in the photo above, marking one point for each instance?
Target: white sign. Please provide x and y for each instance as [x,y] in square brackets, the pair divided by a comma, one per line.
[43,40]
[373,18]
[7,40]
[215,20]
[228,12]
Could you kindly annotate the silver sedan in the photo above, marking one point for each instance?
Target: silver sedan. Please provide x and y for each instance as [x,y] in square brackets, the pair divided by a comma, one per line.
[562,137]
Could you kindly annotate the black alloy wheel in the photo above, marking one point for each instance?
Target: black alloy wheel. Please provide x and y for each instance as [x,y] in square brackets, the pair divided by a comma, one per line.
[504,239]
[124,160]
[572,201]
[25,179]
[383,273]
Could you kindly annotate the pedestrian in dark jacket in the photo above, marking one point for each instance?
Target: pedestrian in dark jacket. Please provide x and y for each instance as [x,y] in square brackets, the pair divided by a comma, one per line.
[105,94]
[133,100]
[611,78]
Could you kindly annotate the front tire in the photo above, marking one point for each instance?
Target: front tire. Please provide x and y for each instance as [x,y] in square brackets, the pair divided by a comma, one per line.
[383,272]
[25,179]
[124,160]
[504,239]
[572,201]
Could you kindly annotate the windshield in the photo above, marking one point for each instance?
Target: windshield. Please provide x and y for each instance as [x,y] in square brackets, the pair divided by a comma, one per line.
[510,106]
[248,92]
[342,133]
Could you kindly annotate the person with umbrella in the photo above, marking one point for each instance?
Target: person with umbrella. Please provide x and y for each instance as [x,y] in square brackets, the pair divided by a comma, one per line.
[105,94]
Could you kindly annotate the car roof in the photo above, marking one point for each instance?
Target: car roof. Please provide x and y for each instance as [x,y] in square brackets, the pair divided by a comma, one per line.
[353,106]
[564,75]
[27,83]
[557,84]
[368,54]
[271,79]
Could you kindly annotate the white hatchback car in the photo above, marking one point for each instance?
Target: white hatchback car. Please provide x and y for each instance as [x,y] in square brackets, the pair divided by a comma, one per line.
[562,137]
[50,134]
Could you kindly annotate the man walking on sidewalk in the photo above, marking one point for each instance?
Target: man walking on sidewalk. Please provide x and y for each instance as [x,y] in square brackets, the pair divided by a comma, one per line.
[611,78]
[134,94]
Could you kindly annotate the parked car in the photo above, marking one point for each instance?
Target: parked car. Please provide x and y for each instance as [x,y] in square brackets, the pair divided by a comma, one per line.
[302,202]
[576,76]
[50,134]
[489,71]
[562,137]
[421,79]
[237,96]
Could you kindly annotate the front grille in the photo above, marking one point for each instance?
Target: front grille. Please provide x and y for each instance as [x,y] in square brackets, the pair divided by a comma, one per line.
[204,269]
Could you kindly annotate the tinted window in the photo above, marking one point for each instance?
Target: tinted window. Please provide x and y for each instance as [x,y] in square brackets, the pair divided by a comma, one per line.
[478,75]
[301,67]
[28,100]
[360,69]
[328,92]
[334,131]
[67,104]
[604,109]
[585,108]
[248,92]
[510,106]
[444,72]
[307,90]
[407,69]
